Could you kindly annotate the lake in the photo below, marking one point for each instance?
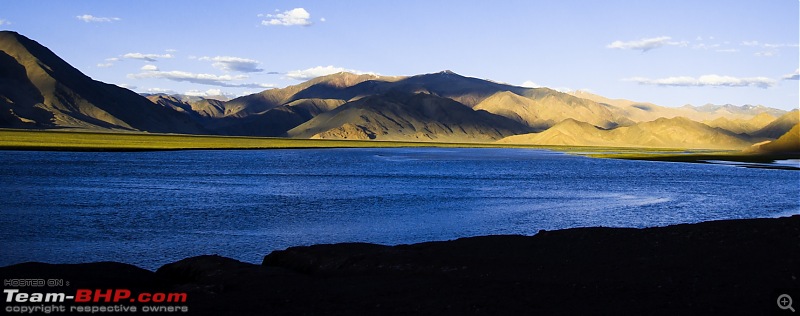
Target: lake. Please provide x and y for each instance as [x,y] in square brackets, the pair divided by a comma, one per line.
[153,208]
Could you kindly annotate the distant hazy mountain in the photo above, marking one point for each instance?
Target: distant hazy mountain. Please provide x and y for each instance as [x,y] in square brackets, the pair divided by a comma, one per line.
[662,133]
[730,109]
[743,126]
[643,111]
[40,90]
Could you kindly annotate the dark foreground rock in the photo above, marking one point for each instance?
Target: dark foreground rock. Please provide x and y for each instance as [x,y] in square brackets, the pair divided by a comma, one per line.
[722,267]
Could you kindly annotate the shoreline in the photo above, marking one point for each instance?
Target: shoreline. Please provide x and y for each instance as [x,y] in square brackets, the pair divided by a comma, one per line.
[94,141]
[726,266]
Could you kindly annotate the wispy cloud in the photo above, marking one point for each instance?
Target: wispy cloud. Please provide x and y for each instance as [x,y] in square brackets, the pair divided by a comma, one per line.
[228,63]
[646,44]
[321,71]
[768,45]
[781,45]
[149,67]
[4,22]
[707,81]
[767,53]
[792,76]
[296,16]
[90,18]
[146,57]
[705,46]
[199,78]
[109,62]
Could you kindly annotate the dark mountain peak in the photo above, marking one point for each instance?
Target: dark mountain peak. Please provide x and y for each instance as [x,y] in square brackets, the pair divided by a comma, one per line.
[343,79]
[43,90]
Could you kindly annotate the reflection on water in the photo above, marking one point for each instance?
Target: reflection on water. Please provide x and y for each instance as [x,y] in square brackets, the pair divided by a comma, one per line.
[153,208]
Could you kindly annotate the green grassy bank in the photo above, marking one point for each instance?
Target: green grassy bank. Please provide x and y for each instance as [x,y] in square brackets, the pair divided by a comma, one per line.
[70,140]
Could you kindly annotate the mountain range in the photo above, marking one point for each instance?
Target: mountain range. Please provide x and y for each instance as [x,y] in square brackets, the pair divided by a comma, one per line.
[39,90]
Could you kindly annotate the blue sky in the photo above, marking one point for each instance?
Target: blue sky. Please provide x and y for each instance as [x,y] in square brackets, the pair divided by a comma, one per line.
[667,52]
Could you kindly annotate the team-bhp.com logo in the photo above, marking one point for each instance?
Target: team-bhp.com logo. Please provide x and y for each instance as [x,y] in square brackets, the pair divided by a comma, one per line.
[90,300]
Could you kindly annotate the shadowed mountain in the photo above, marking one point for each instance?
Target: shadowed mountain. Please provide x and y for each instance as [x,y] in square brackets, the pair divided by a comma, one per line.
[662,133]
[538,108]
[347,87]
[780,126]
[787,143]
[333,86]
[40,90]
[447,84]
[404,116]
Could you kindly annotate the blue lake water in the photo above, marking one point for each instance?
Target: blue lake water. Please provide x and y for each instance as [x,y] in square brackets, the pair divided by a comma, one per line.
[152,208]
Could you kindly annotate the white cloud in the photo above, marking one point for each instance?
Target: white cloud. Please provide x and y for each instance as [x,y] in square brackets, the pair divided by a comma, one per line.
[296,16]
[319,71]
[727,50]
[793,76]
[149,67]
[126,86]
[780,45]
[530,84]
[768,45]
[322,19]
[228,63]
[4,22]
[170,50]
[109,62]
[768,53]
[706,81]
[206,79]
[90,18]
[646,44]
[705,46]
[146,57]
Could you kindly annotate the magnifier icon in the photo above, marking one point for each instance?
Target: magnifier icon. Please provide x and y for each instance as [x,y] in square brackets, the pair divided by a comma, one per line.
[785,302]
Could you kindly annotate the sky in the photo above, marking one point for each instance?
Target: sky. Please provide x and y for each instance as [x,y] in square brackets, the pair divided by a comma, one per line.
[668,52]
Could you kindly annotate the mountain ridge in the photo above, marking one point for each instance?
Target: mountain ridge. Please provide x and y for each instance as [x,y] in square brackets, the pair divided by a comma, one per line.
[40,90]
